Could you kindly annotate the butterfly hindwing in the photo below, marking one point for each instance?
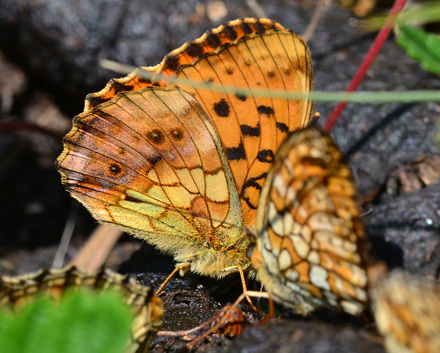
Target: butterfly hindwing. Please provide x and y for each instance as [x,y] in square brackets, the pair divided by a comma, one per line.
[150,162]
[310,238]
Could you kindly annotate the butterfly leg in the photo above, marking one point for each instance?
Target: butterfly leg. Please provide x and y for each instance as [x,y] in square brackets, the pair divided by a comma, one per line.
[247,294]
[182,268]
[229,320]
[239,269]
[231,317]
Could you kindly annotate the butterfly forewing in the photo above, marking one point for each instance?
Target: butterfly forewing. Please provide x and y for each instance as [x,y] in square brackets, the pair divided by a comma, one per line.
[310,240]
[252,128]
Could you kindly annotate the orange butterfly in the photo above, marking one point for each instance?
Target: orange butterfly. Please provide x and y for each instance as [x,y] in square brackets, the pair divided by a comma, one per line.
[183,168]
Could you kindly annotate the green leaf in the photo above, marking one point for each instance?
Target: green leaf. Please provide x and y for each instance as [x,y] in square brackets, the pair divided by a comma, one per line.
[421,46]
[82,322]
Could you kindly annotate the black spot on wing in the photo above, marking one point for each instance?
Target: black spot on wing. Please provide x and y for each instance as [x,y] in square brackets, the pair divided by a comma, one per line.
[241,96]
[230,33]
[263,109]
[260,27]
[133,199]
[222,108]
[177,134]
[172,62]
[194,50]
[266,156]
[282,127]
[250,130]
[245,28]
[236,153]
[253,183]
[213,41]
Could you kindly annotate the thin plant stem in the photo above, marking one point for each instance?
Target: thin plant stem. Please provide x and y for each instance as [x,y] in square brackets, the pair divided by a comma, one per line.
[368,61]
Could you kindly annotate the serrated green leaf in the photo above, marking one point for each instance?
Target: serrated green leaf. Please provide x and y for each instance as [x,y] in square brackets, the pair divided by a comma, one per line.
[421,46]
[82,322]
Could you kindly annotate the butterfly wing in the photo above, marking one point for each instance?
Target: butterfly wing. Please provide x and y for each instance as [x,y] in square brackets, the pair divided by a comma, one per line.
[310,240]
[407,311]
[246,53]
[150,162]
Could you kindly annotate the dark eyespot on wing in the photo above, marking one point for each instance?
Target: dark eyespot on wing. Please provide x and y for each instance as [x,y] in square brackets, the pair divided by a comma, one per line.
[115,169]
[156,136]
[177,134]
[154,160]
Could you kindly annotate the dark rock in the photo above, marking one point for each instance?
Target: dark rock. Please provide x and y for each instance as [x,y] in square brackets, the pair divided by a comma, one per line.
[406,231]
[280,336]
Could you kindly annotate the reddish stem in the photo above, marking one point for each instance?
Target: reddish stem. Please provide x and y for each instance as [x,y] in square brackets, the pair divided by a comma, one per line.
[368,61]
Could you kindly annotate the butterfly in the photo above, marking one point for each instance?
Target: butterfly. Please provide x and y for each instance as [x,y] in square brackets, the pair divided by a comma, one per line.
[183,167]
[407,311]
[310,248]
[148,309]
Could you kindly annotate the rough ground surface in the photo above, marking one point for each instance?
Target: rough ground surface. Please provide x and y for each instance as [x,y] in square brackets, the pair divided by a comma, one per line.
[54,47]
